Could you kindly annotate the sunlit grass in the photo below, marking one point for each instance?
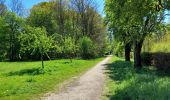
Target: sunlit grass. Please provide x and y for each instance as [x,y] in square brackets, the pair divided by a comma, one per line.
[26,81]
[162,45]
[124,83]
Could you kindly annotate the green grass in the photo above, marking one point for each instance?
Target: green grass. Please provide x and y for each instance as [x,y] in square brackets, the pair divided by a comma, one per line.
[124,83]
[25,80]
[163,45]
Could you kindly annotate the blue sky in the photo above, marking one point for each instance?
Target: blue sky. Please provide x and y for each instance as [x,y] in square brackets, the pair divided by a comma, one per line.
[29,3]
[101,6]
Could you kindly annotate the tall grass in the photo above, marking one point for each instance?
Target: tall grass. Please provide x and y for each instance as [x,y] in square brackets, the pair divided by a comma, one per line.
[163,45]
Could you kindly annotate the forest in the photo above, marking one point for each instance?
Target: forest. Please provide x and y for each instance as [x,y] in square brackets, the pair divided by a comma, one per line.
[81,49]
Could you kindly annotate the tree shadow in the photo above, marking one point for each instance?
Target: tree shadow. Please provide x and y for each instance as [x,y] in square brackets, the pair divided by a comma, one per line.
[33,71]
[120,70]
[131,84]
[66,62]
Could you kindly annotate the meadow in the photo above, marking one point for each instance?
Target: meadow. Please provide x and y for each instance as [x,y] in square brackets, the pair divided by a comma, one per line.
[126,83]
[28,81]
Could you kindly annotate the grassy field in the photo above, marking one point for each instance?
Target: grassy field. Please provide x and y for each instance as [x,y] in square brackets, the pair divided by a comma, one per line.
[124,83]
[25,79]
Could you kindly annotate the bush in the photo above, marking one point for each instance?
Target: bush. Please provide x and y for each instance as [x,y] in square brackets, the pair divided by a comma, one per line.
[86,48]
[146,58]
[160,60]
[69,47]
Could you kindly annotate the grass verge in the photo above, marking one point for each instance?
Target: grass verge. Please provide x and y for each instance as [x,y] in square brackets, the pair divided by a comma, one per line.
[124,83]
[25,80]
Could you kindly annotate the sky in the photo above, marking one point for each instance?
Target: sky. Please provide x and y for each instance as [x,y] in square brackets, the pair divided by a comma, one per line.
[100,4]
[29,3]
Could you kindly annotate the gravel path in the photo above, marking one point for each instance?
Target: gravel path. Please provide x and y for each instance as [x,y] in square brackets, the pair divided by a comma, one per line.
[88,87]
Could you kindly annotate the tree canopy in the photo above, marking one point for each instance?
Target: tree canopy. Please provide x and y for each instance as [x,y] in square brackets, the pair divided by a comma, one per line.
[134,20]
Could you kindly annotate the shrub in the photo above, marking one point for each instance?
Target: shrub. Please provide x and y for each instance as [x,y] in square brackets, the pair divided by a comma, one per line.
[86,48]
[160,60]
[146,58]
[69,47]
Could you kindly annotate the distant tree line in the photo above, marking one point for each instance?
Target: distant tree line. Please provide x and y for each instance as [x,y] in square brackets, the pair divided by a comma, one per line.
[55,29]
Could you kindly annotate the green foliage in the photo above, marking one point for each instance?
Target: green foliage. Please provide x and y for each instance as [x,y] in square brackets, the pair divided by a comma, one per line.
[12,29]
[69,47]
[36,39]
[62,21]
[41,15]
[3,38]
[134,20]
[86,48]
[125,83]
[107,47]
[25,79]
[118,48]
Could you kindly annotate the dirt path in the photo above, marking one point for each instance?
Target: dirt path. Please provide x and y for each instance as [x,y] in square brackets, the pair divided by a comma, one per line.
[88,87]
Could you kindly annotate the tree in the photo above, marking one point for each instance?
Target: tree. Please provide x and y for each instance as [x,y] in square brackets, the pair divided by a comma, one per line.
[137,19]
[60,10]
[86,13]
[118,24]
[147,22]
[14,26]
[3,38]
[41,15]
[36,39]
[90,22]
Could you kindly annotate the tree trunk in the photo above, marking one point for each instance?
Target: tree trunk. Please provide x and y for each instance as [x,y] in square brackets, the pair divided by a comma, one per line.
[137,54]
[11,54]
[71,60]
[42,60]
[127,51]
